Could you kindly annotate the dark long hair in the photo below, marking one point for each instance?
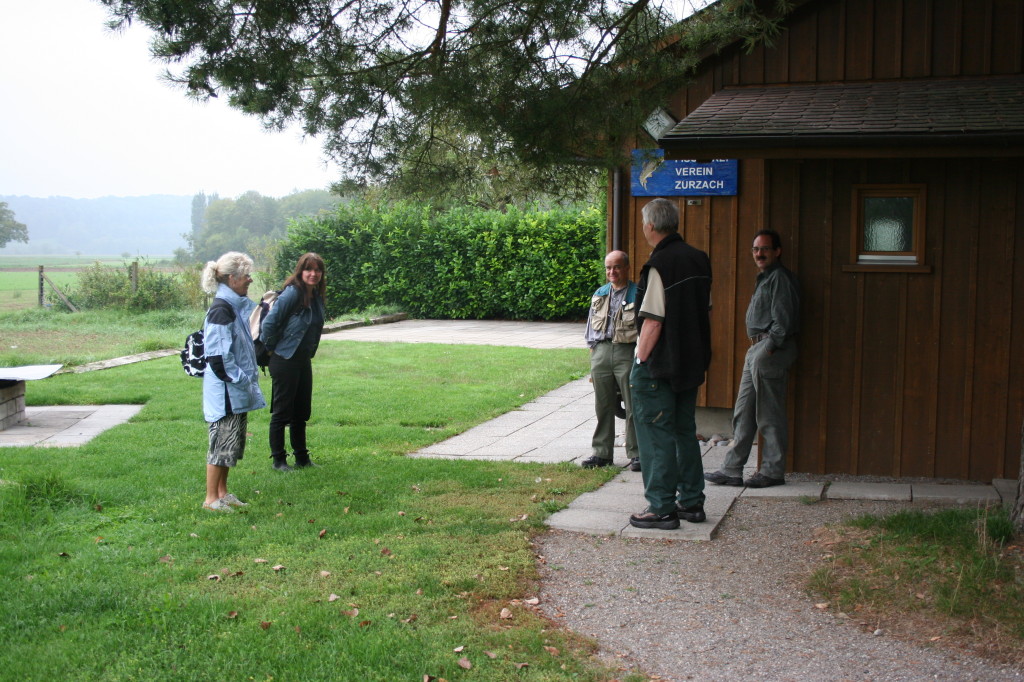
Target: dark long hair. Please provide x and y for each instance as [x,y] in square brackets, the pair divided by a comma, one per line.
[307,261]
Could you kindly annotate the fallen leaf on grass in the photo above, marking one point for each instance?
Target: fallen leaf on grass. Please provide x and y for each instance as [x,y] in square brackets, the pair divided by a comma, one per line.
[552,650]
[279,567]
[298,629]
[265,624]
[502,568]
[214,577]
[260,561]
[322,533]
[385,552]
[505,614]
[333,597]
[232,614]
[459,649]
[325,574]
[464,663]
[166,558]
[822,605]
[490,654]
[401,513]
[351,614]
[64,555]
[520,666]
[365,623]
[532,601]
[311,521]
[411,619]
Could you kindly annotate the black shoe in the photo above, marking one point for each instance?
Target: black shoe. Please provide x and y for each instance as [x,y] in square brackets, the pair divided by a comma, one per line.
[281,465]
[304,463]
[647,519]
[594,462]
[759,480]
[718,478]
[694,513]
[634,464]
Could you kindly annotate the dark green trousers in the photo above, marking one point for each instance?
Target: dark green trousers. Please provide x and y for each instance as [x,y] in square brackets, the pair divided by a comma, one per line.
[666,431]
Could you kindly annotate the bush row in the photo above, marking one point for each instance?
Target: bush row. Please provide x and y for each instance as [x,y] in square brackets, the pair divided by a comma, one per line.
[459,264]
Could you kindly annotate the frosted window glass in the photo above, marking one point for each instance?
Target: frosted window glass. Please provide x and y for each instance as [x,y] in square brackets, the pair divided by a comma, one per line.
[888,223]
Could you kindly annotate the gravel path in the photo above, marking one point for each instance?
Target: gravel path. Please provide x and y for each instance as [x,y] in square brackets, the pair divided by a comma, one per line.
[733,608]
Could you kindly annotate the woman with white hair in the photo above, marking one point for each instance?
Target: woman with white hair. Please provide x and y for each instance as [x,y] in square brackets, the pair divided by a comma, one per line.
[231,386]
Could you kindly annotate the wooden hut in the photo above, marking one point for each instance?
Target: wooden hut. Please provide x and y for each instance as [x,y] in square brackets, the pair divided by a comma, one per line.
[867,115]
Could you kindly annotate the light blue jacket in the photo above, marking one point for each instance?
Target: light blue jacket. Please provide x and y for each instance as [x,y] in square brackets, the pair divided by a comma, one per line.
[285,325]
[233,343]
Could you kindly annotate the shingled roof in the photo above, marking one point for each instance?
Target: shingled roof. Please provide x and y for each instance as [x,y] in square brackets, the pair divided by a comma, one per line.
[907,113]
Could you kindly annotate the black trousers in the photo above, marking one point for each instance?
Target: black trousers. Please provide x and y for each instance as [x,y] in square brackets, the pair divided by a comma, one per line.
[291,402]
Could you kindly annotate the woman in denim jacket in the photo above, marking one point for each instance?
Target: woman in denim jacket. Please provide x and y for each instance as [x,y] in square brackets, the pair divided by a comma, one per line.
[291,332]
[231,386]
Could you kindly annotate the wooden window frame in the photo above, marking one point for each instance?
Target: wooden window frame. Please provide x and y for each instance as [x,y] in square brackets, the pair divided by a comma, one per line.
[903,261]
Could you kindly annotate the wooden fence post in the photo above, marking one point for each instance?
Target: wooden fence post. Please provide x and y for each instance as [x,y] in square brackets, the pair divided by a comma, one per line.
[135,277]
[41,275]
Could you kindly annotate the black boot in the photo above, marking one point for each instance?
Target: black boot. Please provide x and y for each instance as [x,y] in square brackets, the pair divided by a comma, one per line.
[302,460]
[281,463]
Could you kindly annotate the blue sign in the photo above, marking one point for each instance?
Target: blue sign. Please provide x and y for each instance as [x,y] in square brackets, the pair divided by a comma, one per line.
[653,176]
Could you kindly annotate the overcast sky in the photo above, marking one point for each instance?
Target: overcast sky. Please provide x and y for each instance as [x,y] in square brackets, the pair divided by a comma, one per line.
[84,113]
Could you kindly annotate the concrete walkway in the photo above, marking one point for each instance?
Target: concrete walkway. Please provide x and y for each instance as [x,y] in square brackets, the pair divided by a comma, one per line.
[557,427]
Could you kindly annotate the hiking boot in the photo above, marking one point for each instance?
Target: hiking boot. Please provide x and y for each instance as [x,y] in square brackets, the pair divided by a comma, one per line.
[759,480]
[694,513]
[281,464]
[594,462]
[649,519]
[718,478]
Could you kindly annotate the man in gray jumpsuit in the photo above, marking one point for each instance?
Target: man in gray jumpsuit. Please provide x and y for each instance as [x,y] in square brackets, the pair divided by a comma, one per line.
[773,318]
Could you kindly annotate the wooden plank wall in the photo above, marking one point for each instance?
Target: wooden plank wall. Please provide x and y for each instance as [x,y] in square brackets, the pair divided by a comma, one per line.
[899,374]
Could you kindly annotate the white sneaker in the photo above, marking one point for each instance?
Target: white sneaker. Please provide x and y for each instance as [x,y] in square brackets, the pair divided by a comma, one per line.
[217,505]
[233,501]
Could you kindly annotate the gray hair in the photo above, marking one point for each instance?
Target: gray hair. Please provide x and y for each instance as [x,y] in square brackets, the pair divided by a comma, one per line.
[662,215]
[218,271]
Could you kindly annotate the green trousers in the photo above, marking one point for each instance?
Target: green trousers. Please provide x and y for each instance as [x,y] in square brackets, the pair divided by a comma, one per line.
[666,431]
[610,364]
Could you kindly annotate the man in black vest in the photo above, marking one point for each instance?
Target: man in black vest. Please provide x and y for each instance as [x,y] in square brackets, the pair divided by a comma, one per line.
[672,355]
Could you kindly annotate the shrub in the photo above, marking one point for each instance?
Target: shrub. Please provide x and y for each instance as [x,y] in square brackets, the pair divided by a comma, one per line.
[104,287]
[458,264]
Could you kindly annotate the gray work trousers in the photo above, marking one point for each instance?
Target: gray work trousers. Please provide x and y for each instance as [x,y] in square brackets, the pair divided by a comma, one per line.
[761,406]
[610,364]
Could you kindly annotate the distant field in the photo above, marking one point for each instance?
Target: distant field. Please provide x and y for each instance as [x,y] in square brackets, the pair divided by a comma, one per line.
[19,275]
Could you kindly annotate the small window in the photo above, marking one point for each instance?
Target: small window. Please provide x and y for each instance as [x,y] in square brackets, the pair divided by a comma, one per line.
[888,228]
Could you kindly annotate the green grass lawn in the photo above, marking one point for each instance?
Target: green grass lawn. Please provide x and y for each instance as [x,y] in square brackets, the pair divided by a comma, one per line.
[374,566]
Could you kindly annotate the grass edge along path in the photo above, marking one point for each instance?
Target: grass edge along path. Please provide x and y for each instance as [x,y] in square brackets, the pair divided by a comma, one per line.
[938,577]
[374,566]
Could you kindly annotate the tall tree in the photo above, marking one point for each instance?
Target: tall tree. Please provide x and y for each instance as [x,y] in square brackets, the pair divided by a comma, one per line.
[386,82]
[10,229]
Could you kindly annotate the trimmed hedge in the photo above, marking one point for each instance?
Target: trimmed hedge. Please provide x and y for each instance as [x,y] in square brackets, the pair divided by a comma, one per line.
[458,264]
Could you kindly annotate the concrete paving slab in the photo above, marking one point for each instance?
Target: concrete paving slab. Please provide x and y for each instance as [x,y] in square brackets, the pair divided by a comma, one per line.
[65,426]
[790,491]
[1007,489]
[981,495]
[590,521]
[852,490]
